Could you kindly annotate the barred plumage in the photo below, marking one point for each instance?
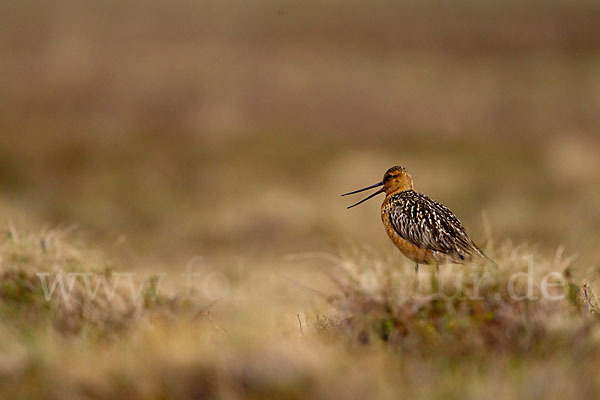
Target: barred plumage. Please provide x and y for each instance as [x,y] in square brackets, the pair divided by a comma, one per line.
[429,225]
[424,230]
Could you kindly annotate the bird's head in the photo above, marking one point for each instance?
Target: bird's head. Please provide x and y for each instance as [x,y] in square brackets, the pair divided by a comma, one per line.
[395,179]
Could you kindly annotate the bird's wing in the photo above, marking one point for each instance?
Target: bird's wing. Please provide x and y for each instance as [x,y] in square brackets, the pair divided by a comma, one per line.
[430,225]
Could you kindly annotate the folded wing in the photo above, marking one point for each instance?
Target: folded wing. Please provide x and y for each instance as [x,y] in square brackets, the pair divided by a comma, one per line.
[430,225]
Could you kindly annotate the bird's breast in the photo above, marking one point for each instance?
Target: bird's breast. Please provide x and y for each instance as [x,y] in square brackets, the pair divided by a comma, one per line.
[409,250]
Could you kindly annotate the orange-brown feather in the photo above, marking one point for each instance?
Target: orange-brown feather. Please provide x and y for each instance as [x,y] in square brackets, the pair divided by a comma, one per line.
[409,250]
[454,246]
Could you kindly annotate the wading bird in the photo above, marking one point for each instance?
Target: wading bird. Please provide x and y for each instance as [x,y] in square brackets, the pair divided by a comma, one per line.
[424,230]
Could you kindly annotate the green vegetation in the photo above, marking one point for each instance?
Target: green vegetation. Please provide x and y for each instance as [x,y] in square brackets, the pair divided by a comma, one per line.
[374,333]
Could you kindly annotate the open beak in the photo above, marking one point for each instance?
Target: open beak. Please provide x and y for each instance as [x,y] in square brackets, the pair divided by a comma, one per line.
[367,188]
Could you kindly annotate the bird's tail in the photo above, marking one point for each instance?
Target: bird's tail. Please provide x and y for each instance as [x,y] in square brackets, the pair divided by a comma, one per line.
[481,254]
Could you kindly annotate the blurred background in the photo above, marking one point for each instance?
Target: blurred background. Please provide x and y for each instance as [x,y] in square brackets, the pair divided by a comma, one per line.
[231,127]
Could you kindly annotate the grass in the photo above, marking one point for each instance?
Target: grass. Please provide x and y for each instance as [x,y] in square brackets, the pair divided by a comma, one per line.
[470,310]
[218,135]
[373,332]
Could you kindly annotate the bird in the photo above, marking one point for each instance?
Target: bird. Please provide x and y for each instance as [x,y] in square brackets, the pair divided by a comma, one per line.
[425,231]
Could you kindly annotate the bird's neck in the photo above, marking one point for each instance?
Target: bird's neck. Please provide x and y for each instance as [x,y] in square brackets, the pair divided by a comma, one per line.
[396,191]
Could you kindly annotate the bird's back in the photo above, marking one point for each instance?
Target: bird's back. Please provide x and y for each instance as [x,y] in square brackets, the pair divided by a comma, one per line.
[428,225]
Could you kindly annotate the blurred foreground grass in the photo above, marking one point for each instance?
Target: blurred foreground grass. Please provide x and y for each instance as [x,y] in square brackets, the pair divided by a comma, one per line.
[371,334]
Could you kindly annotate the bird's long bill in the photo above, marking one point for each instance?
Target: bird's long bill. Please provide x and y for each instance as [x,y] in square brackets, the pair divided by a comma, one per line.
[370,196]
